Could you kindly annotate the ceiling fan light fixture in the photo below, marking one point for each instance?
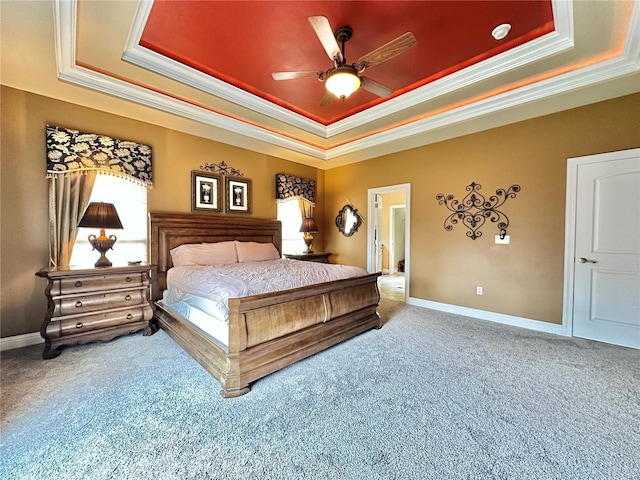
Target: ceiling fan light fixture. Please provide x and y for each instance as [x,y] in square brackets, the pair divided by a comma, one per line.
[343,81]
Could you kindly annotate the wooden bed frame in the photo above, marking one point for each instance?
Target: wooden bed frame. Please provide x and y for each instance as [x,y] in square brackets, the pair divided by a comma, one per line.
[266,332]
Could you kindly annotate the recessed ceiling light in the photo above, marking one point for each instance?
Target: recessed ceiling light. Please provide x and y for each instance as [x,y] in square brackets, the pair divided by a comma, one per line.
[501,31]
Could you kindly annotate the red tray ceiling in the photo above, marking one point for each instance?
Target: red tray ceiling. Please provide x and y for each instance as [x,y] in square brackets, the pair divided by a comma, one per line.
[243,42]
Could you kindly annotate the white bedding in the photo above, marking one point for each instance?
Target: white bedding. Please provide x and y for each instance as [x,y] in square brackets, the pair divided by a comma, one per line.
[194,290]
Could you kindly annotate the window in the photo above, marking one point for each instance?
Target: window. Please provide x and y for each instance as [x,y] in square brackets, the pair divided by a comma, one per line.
[130,200]
[291,218]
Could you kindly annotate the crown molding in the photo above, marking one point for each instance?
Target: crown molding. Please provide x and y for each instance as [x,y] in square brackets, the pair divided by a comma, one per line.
[152,61]
[536,50]
[551,44]
[627,63]
[600,73]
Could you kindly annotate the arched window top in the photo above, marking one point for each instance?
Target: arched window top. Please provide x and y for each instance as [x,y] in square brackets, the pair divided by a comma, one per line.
[70,152]
[289,186]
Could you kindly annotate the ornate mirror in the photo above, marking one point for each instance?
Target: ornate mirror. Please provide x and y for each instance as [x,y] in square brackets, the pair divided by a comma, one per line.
[348,220]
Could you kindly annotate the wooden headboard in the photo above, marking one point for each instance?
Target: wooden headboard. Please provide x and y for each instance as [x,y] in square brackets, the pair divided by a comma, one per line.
[168,230]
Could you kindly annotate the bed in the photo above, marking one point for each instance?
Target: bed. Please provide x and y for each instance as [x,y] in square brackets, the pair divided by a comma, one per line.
[266,332]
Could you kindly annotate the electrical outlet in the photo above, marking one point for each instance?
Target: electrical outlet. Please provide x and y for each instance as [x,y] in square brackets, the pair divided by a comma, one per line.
[478,290]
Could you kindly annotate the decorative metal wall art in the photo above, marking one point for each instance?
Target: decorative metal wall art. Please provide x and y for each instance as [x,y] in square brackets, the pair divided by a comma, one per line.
[222,169]
[474,209]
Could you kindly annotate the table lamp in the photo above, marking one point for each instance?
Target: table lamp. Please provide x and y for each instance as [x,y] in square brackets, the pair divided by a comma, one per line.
[308,226]
[101,215]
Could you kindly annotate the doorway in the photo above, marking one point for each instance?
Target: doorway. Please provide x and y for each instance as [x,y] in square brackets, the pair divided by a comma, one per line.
[602,264]
[388,245]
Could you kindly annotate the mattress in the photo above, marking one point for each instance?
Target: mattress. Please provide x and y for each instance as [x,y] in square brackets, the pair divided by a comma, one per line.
[201,293]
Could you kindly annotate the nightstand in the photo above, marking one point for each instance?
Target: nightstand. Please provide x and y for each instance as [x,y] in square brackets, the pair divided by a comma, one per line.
[94,304]
[320,257]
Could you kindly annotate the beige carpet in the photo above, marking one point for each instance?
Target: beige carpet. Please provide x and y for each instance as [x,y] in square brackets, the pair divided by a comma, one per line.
[430,395]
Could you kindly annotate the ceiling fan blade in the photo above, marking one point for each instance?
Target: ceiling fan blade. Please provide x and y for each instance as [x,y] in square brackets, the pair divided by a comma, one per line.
[326,100]
[389,50]
[325,34]
[292,75]
[375,87]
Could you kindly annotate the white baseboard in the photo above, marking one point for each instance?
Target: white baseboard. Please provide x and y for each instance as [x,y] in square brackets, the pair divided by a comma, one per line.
[17,341]
[538,325]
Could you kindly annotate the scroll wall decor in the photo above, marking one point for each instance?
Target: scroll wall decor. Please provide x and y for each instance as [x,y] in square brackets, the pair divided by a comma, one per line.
[474,209]
[222,169]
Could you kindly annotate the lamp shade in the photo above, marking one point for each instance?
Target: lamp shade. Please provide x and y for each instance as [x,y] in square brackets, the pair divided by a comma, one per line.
[100,215]
[343,81]
[308,225]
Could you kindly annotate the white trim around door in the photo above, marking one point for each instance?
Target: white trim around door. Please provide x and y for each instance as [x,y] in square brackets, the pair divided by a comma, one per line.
[372,192]
[573,165]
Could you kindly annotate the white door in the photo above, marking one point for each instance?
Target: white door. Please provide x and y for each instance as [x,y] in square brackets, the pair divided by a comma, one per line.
[606,304]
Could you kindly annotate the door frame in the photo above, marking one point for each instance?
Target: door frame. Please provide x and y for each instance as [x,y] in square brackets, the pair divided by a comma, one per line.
[570,227]
[371,196]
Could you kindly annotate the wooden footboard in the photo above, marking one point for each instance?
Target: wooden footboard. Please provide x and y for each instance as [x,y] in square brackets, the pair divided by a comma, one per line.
[266,332]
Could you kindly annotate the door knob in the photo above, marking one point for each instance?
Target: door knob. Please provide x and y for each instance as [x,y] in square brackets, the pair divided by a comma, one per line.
[584,260]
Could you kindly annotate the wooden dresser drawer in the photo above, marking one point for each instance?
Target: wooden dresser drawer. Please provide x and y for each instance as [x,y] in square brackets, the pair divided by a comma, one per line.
[71,286]
[70,305]
[95,304]
[84,323]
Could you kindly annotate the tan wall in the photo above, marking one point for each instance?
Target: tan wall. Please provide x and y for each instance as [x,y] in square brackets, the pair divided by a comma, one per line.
[524,278]
[24,217]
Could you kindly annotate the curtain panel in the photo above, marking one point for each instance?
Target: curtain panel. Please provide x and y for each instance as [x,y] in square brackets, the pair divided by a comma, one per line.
[70,152]
[68,199]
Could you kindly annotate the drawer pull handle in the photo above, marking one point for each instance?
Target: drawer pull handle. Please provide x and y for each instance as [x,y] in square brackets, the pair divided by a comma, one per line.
[128,297]
[78,283]
[129,316]
[79,325]
[129,279]
[78,304]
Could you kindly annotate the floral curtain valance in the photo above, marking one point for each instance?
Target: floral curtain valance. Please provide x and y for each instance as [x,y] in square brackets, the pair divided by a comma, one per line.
[74,152]
[288,186]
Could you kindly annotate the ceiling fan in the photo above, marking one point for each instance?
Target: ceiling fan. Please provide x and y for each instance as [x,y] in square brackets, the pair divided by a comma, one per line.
[343,79]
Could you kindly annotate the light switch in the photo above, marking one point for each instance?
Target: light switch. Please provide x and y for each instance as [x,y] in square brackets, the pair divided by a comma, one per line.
[504,241]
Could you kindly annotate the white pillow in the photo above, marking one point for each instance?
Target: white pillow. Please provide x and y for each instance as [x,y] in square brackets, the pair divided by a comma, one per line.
[204,254]
[256,252]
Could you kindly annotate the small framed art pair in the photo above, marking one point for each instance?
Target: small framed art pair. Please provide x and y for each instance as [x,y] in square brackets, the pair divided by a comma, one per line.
[207,193]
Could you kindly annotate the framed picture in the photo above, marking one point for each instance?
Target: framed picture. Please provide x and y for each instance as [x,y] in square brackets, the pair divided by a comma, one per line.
[206,192]
[237,195]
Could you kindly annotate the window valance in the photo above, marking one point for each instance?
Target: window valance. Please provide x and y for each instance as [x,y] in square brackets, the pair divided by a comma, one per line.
[288,186]
[73,152]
